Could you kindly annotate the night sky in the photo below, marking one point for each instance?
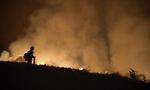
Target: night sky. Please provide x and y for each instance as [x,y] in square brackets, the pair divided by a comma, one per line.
[14,18]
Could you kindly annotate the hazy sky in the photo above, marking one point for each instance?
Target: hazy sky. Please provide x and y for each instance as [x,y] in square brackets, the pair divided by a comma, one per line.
[94,34]
[14,17]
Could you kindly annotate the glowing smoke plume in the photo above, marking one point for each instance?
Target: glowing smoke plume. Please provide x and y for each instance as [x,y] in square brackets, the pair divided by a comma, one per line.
[93,34]
[64,38]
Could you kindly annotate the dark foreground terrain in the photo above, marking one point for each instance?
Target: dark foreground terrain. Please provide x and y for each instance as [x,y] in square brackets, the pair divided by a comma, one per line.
[20,76]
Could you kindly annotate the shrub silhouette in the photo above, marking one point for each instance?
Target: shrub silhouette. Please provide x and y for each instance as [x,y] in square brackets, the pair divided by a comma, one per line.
[134,75]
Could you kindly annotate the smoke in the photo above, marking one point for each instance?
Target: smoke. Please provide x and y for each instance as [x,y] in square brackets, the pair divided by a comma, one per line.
[98,35]
[5,56]
[129,33]
[65,35]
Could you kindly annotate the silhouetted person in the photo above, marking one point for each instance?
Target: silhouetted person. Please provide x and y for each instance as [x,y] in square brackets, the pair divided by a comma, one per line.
[29,56]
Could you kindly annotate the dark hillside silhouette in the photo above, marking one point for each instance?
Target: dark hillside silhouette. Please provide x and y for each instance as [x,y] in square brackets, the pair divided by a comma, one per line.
[22,76]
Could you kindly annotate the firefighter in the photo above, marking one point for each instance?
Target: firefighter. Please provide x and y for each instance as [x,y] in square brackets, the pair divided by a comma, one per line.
[29,56]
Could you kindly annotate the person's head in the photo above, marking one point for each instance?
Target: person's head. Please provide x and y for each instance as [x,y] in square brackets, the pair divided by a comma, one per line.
[32,48]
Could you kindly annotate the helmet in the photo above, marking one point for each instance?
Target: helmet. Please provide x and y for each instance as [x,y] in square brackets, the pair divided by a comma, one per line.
[32,47]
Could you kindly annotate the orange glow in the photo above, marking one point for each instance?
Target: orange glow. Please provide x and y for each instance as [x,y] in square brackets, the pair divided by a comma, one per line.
[40,62]
[81,68]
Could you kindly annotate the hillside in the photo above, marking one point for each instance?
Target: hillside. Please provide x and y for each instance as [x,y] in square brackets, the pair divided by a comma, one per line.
[20,76]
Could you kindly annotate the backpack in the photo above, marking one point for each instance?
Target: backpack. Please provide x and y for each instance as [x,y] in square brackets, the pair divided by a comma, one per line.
[26,56]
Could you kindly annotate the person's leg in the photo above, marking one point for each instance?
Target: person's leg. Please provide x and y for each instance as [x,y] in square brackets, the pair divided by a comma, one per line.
[30,61]
[34,60]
